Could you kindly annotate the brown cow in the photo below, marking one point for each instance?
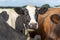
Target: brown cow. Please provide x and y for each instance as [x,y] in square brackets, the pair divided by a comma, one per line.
[51,27]
[49,23]
[39,31]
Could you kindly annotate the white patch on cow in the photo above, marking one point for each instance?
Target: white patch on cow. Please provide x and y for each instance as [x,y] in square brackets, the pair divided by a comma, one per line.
[31,9]
[12,16]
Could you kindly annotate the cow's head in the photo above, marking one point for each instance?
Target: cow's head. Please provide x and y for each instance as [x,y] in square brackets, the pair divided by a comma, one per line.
[30,15]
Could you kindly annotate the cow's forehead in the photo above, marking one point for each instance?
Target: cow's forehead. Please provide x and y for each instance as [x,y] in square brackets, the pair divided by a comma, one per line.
[31,12]
[31,9]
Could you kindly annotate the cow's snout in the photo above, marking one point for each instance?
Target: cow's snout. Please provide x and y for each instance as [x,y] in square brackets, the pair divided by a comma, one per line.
[33,26]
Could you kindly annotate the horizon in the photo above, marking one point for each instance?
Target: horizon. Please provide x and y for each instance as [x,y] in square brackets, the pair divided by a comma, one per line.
[17,3]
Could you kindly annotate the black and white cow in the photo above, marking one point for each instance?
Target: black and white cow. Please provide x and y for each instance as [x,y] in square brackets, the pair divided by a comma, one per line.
[31,13]
[28,13]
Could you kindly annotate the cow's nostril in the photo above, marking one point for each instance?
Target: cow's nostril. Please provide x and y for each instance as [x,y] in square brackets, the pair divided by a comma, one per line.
[33,25]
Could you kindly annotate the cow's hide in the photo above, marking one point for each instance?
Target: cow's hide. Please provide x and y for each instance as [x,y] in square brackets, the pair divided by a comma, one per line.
[50,24]
[8,33]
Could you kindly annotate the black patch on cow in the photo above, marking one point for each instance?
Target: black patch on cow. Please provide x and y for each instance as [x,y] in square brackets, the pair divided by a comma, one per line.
[57,30]
[25,13]
[19,24]
[8,33]
[55,15]
[19,10]
[36,15]
[42,10]
[4,15]
[21,20]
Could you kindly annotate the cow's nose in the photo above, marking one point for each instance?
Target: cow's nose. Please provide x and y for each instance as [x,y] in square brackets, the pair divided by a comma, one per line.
[33,25]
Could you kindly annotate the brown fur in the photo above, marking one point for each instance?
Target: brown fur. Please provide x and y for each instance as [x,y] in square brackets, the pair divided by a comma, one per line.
[47,26]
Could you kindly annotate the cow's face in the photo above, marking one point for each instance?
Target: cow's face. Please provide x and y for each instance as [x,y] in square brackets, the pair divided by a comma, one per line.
[30,15]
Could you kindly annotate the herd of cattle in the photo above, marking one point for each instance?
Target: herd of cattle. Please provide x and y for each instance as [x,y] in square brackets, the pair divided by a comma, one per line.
[30,23]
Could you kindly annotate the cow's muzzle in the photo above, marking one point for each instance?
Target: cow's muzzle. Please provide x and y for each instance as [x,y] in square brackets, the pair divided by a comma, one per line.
[33,26]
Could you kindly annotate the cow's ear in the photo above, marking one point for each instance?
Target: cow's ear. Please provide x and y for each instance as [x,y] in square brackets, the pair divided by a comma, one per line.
[19,10]
[42,10]
[4,15]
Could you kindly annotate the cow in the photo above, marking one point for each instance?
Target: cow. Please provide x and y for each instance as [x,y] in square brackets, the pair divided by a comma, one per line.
[53,27]
[32,16]
[49,24]
[7,32]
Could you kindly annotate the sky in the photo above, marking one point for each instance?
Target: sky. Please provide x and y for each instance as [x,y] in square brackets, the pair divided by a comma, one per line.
[29,2]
